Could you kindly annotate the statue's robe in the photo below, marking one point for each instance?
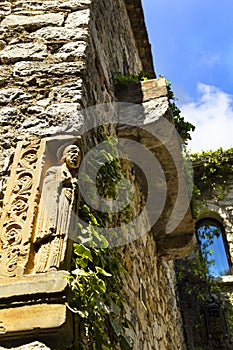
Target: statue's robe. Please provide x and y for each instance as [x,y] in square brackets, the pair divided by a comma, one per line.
[55,215]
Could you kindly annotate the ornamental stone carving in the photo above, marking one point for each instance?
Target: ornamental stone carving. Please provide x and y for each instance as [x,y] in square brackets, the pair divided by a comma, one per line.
[58,201]
[37,208]
[19,209]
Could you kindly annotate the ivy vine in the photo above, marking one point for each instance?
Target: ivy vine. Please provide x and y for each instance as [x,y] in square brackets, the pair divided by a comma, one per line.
[183,127]
[123,80]
[213,169]
[97,275]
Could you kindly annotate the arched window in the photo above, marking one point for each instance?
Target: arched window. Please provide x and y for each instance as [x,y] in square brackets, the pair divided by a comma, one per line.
[211,237]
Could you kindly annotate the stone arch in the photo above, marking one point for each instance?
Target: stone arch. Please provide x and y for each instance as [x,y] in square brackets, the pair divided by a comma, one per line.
[223,216]
[216,219]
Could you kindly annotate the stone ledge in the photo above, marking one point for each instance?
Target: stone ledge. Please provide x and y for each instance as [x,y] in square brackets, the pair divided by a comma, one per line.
[148,117]
[225,280]
[29,317]
[153,88]
[50,282]
[143,91]
[32,346]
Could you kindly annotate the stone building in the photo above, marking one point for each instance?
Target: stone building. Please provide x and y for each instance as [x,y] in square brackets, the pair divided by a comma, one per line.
[58,58]
[206,303]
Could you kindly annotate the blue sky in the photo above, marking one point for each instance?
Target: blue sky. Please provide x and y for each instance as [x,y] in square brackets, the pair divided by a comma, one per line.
[192,45]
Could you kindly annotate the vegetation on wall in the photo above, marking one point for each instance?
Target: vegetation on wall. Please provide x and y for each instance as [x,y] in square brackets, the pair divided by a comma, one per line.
[97,285]
[96,279]
[183,127]
[123,80]
[213,169]
[196,267]
[198,287]
[198,290]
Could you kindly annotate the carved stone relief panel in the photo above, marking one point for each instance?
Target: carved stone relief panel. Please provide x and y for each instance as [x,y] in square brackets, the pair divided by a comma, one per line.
[19,208]
[38,205]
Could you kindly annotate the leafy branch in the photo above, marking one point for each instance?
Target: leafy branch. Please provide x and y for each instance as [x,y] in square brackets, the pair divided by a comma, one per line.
[122,80]
[96,279]
[183,127]
[212,169]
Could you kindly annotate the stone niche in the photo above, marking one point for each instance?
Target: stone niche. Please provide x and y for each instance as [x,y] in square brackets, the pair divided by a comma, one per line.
[35,250]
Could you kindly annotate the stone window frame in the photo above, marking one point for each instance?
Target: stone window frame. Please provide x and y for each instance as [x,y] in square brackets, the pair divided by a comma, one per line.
[215,219]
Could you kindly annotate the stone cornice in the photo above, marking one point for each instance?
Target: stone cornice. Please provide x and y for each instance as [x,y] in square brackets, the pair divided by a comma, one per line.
[136,15]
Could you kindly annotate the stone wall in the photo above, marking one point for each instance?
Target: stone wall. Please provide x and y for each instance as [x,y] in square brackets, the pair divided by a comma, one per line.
[151,292]
[218,205]
[48,49]
[58,57]
[214,207]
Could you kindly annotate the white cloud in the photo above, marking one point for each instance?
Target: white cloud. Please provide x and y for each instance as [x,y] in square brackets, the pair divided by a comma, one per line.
[212,115]
[208,59]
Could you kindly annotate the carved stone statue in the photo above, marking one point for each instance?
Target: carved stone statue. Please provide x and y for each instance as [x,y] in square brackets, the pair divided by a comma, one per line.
[58,202]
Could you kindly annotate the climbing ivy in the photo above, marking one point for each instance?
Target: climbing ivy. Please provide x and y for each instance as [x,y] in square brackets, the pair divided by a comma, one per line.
[213,168]
[194,271]
[183,127]
[97,285]
[123,80]
[96,279]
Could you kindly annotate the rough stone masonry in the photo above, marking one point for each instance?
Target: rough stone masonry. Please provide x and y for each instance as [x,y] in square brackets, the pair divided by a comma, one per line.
[58,57]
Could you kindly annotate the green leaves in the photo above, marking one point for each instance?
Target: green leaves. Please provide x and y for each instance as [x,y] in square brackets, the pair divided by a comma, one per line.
[126,343]
[82,251]
[102,271]
[97,288]
[183,127]
[116,326]
[213,169]
[127,79]
[96,279]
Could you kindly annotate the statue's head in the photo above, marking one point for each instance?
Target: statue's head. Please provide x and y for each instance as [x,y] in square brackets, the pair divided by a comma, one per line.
[72,156]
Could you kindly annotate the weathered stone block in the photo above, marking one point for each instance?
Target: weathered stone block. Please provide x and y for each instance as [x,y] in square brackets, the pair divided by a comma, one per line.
[153,88]
[23,69]
[2,44]
[50,282]
[23,52]
[7,115]
[13,94]
[32,346]
[29,317]
[33,22]
[5,74]
[48,5]
[35,109]
[5,8]
[71,92]
[60,35]
[63,110]
[78,19]
[72,51]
